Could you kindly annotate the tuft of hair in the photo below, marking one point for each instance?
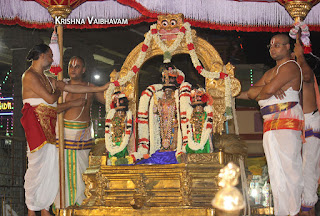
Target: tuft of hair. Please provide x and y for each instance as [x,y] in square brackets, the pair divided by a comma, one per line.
[36,51]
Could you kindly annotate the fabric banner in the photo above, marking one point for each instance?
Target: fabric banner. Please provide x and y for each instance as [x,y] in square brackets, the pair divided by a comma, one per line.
[266,16]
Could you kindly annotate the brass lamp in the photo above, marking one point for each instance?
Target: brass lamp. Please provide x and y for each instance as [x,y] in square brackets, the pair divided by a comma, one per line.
[229,200]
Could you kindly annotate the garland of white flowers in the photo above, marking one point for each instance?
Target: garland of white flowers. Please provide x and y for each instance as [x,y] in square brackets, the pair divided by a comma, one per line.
[110,145]
[305,34]
[143,112]
[185,30]
[167,51]
[185,109]
[204,134]
[108,97]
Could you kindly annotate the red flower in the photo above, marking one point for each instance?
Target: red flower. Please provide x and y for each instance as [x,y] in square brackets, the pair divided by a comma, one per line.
[204,98]
[154,31]
[116,83]
[179,79]
[199,69]
[183,29]
[135,69]
[190,46]
[223,75]
[55,70]
[307,50]
[144,47]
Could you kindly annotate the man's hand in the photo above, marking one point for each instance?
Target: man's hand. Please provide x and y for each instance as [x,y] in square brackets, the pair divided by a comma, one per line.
[280,94]
[79,102]
[106,86]
[60,85]
[298,47]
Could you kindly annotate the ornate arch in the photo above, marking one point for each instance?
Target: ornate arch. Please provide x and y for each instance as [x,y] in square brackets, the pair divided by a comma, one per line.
[210,60]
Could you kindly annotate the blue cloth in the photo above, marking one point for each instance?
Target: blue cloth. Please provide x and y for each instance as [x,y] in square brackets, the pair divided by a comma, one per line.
[158,157]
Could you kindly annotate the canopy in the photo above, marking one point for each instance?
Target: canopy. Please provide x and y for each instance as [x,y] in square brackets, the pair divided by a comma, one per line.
[245,15]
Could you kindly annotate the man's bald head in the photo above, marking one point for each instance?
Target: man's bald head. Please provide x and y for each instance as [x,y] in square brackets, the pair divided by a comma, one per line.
[283,37]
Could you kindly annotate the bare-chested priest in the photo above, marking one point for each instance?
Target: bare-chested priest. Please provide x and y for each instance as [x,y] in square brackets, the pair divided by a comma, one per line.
[78,138]
[283,122]
[40,94]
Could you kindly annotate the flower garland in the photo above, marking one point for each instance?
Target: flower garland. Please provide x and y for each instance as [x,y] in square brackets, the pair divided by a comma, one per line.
[137,64]
[167,51]
[206,130]
[143,112]
[185,109]
[110,145]
[185,30]
[305,33]
[108,96]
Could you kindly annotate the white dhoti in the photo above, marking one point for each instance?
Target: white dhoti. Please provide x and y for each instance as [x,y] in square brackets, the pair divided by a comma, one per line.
[42,178]
[282,146]
[42,175]
[78,143]
[311,159]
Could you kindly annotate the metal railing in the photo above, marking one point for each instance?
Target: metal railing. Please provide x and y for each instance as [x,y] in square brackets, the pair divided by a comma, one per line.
[12,170]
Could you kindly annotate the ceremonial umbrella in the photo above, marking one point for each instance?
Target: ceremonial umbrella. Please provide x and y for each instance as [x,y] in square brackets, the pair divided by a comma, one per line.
[298,9]
[239,15]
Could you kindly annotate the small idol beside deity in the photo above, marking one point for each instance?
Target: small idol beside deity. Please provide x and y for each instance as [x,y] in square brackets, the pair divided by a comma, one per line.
[160,134]
[118,130]
[199,123]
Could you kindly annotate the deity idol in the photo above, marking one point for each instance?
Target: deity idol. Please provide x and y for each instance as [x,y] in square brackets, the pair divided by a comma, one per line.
[118,130]
[159,128]
[199,123]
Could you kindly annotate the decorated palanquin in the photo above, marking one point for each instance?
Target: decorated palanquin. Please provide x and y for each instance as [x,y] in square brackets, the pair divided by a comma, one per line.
[185,188]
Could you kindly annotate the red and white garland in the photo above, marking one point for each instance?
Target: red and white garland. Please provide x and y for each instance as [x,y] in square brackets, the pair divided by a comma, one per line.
[185,30]
[55,66]
[149,128]
[143,116]
[110,145]
[185,109]
[305,33]
[143,111]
